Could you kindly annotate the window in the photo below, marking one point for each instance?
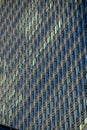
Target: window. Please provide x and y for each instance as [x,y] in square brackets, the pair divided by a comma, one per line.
[64,67]
[36,107]
[57,97]
[66,103]
[36,126]
[21,127]
[68,122]
[50,54]
[44,116]
[63,127]
[43,80]
[40,120]
[82,104]
[48,90]
[25,123]
[71,96]
[55,63]
[51,105]
[79,66]
[74,73]
[60,94]
[66,86]
[48,110]
[49,126]
[72,115]
[80,85]
[56,79]
[60,23]
[63,50]
[58,115]
[57,43]
[77,108]
[62,110]
[53,48]
[53,121]
[76,91]
[44,96]
[47,74]
[42,65]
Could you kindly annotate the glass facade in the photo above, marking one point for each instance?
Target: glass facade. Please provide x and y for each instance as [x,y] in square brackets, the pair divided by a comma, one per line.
[43,64]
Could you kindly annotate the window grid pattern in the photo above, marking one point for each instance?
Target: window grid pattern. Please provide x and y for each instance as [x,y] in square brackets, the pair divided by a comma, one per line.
[43,61]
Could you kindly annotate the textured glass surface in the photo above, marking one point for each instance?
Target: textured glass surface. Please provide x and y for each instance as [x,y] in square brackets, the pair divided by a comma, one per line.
[43,64]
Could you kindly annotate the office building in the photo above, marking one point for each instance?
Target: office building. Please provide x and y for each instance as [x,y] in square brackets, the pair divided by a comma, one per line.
[43,64]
